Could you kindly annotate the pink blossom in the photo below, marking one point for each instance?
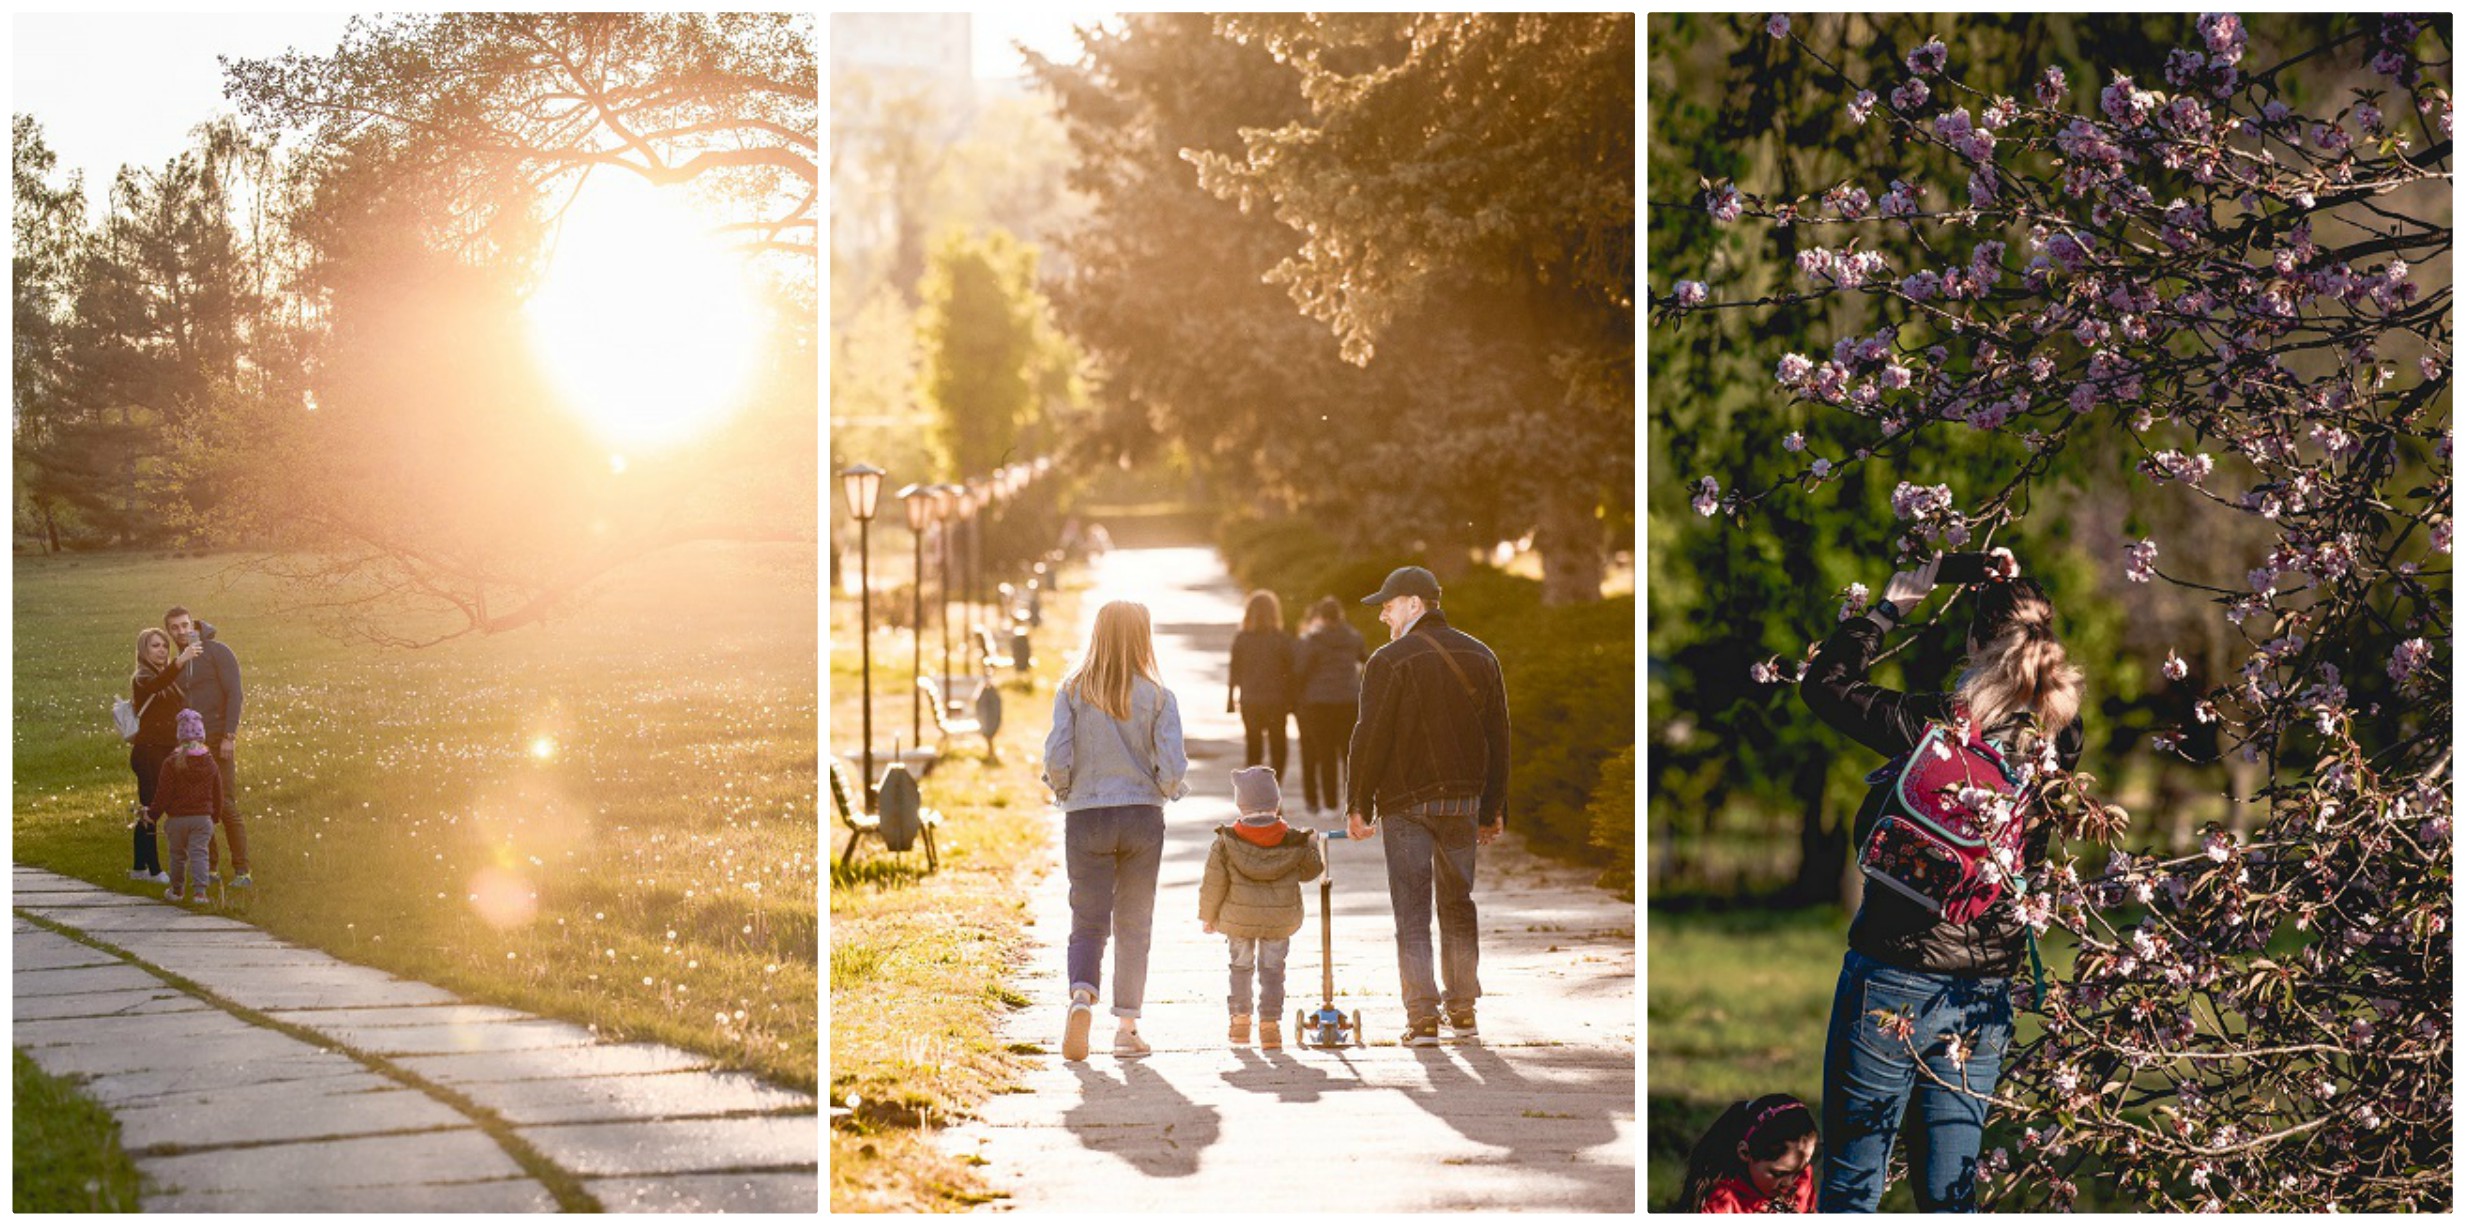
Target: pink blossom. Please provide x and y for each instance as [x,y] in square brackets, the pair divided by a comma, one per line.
[1910,96]
[2142,563]
[1778,26]
[1822,468]
[1794,442]
[1763,673]
[1918,501]
[2216,846]
[1853,601]
[1921,285]
[2051,86]
[1901,200]
[1848,200]
[1707,496]
[2410,656]
[1692,293]
[1727,205]
[2224,35]
[1792,369]
[1861,106]
[1895,376]
[1929,59]
[2175,669]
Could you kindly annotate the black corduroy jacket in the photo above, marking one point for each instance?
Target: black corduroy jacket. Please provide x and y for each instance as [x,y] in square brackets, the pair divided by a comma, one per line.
[1424,734]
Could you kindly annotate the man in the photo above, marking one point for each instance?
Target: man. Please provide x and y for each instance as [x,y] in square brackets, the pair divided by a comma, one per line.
[1429,764]
[212,683]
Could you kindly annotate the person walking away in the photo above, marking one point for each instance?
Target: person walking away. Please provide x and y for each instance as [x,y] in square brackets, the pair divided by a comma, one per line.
[1327,674]
[211,681]
[188,793]
[1262,681]
[2020,697]
[1114,758]
[154,689]
[1251,893]
[1429,765]
[1758,1157]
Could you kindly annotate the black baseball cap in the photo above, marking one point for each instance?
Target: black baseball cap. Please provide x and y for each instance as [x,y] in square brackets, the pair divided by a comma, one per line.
[1406,581]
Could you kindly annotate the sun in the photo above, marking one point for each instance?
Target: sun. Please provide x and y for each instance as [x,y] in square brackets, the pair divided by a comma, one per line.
[646,322]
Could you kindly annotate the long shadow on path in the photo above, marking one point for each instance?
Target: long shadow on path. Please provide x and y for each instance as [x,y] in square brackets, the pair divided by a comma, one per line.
[1487,1099]
[1142,1119]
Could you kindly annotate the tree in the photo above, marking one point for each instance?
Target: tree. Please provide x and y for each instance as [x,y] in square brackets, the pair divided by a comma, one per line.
[1487,157]
[46,225]
[504,108]
[2264,1021]
[984,349]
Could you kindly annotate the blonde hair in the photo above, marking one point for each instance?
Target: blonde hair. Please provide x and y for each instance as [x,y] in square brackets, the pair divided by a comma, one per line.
[2019,667]
[1121,650]
[144,636]
[1265,612]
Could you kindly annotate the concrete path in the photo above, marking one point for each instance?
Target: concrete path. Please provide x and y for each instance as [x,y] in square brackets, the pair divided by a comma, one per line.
[1539,1115]
[249,1074]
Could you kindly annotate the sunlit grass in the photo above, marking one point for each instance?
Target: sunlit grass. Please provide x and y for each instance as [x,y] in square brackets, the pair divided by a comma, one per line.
[917,962]
[66,1155]
[610,819]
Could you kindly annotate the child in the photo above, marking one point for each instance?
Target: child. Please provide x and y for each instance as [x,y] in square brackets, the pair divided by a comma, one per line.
[189,792]
[1252,894]
[1758,1157]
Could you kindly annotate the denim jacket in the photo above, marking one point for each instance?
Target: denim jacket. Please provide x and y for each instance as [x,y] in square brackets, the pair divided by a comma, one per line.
[1089,767]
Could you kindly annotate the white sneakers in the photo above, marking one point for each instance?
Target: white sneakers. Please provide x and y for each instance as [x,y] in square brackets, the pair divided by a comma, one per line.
[1126,1043]
[1082,1019]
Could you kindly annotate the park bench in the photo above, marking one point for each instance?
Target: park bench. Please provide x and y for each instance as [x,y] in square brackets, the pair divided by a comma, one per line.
[898,816]
[964,706]
[992,656]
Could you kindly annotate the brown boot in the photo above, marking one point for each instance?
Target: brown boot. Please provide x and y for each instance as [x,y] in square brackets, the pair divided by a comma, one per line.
[1240,1032]
[1271,1034]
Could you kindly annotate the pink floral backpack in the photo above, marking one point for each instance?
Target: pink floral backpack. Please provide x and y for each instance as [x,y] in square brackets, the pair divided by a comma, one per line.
[1950,834]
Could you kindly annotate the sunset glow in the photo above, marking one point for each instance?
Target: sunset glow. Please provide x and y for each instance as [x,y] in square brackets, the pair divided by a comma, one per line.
[647,322]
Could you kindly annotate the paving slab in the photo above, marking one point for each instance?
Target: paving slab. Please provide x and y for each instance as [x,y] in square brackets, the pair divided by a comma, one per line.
[653,1147]
[766,1193]
[117,977]
[405,1015]
[493,1036]
[609,1060]
[94,1005]
[297,1117]
[463,1155]
[1539,1115]
[650,1096]
[494,1196]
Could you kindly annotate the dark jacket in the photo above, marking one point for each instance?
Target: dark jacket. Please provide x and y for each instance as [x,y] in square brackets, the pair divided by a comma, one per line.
[1262,671]
[158,700]
[1253,891]
[1422,734]
[1326,667]
[188,786]
[212,682]
[1890,927]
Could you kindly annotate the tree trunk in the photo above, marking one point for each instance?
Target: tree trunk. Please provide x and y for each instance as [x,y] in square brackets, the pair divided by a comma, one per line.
[1574,547]
[1822,846]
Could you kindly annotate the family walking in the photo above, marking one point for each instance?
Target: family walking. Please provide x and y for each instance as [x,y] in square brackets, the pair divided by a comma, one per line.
[1418,748]
[182,723]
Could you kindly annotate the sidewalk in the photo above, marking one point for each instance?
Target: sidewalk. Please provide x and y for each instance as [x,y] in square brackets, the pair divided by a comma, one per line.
[1539,1115]
[280,1079]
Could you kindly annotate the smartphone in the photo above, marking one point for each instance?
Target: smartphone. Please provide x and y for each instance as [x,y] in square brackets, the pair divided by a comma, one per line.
[1975,568]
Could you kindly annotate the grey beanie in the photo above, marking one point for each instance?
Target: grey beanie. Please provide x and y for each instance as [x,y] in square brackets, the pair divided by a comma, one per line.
[1255,794]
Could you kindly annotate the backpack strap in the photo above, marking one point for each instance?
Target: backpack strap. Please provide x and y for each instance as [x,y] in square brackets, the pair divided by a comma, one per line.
[1460,675]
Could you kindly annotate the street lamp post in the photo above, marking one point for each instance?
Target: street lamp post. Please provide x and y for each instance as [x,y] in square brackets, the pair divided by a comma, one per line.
[945,501]
[918,500]
[863,486]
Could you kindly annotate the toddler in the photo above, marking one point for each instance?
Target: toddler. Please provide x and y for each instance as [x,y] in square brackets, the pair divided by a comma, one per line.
[188,795]
[1252,894]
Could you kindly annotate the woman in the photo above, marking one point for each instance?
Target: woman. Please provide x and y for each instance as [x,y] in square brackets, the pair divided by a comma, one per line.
[1927,976]
[154,688]
[1262,688]
[1327,672]
[1113,759]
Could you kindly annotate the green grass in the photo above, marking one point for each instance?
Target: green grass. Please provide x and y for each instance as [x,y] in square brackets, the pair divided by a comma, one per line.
[66,1156]
[917,962]
[1738,1003]
[609,819]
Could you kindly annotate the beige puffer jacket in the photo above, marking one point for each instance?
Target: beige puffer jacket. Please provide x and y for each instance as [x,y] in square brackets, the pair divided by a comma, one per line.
[1254,891]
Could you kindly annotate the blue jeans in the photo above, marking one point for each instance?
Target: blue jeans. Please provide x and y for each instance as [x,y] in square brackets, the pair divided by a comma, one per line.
[1265,956]
[1427,853]
[1112,854]
[1869,1076]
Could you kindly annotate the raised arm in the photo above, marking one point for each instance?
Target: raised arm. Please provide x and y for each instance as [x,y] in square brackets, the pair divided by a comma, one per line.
[1172,760]
[1058,744]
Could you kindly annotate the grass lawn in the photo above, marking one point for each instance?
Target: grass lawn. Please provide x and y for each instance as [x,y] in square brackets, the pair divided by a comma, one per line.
[916,962]
[66,1156]
[609,819]
[1737,1007]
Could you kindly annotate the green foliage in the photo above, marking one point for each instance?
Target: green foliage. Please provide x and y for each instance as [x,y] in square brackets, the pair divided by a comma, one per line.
[1496,404]
[1569,674]
[991,365]
[65,1154]
[1612,812]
